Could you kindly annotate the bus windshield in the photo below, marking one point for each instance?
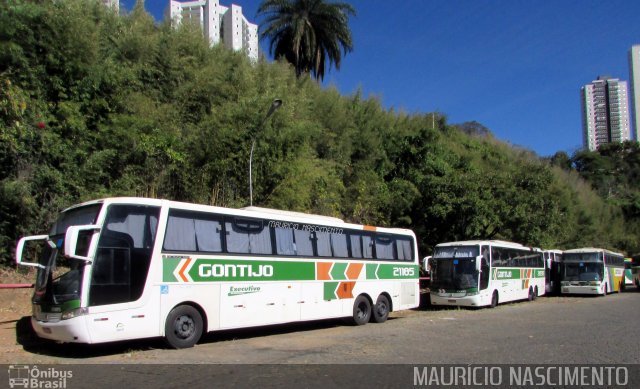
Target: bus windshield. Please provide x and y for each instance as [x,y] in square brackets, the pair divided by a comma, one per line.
[583,271]
[454,268]
[60,278]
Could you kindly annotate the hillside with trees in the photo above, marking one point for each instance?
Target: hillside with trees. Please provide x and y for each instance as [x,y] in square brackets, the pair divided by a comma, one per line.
[93,104]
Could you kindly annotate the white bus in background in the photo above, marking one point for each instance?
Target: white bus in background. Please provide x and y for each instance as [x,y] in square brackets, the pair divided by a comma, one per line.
[591,271]
[141,268]
[552,259]
[485,273]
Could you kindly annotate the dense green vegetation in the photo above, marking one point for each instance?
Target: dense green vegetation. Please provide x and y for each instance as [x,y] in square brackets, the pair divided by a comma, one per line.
[93,105]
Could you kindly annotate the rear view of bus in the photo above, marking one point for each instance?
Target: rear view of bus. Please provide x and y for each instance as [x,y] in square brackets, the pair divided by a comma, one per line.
[591,271]
[485,273]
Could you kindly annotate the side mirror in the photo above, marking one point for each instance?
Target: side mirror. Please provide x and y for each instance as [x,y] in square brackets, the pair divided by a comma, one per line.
[20,249]
[77,241]
[425,264]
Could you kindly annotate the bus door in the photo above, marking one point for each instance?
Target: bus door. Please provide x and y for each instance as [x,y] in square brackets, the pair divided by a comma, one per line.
[118,306]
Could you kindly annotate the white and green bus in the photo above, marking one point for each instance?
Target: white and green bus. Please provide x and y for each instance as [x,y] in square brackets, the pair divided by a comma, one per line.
[127,268]
[591,271]
[485,273]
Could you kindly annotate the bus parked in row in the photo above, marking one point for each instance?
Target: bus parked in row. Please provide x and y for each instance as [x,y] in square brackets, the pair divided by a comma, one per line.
[591,271]
[628,272]
[635,270]
[552,259]
[126,268]
[485,273]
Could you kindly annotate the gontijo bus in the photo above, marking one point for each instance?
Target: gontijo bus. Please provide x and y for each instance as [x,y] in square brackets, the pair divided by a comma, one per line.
[139,268]
[485,273]
[591,271]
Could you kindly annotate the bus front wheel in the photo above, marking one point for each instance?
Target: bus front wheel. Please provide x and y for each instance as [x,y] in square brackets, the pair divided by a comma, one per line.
[381,310]
[530,297]
[183,328]
[494,299]
[361,310]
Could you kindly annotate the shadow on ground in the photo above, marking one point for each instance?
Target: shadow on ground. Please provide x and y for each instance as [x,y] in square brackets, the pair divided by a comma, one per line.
[26,336]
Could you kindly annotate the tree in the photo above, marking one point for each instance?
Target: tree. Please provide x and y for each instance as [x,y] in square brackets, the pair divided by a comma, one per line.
[308,33]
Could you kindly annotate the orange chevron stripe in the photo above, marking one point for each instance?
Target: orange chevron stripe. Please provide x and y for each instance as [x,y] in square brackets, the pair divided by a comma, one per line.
[353,271]
[526,284]
[345,290]
[369,228]
[322,271]
[183,269]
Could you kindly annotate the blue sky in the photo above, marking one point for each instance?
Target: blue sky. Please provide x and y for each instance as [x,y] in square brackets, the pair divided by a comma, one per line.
[515,66]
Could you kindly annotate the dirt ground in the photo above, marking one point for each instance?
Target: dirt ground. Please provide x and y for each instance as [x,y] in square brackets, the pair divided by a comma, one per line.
[14,305]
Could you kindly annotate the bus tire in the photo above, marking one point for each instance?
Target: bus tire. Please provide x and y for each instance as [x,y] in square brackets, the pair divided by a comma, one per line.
[494,299]
[535,293]
[183,327]
[530,296]
[380,310]
[361,310]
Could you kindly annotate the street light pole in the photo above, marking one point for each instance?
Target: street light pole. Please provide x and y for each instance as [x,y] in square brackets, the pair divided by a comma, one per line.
[275,104]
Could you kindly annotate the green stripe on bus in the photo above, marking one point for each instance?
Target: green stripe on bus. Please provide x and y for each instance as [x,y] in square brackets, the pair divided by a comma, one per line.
[183,269]
[169,265]
[371,271]
[516,274]
[386,271]
[337,271]
[330,290]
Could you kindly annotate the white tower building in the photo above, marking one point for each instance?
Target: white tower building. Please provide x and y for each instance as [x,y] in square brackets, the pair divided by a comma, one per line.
[634,70]
[605,112]
[219,23]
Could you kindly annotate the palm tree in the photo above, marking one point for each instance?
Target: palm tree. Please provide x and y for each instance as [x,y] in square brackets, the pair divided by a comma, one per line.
[307,33]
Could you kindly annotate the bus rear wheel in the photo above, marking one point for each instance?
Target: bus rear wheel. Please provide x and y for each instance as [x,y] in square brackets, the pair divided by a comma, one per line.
[381,310]
[494,299]
[530,296]
[361,310]
[183,328]
[535,293]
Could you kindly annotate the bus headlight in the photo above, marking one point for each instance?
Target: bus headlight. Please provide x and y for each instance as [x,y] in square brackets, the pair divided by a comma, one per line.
[74,313]
[472,293]
[596,283]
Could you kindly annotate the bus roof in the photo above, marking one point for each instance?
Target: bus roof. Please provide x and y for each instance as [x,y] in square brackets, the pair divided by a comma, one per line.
[279,212]
[494,242]
[266,213]
[591,250]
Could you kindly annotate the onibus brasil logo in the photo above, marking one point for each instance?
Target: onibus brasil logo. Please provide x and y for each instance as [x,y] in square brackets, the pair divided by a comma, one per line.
[25,376]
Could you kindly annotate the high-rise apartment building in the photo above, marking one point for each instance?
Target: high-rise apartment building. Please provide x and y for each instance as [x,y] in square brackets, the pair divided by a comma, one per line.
[605,112]
[634,73]
[219,23]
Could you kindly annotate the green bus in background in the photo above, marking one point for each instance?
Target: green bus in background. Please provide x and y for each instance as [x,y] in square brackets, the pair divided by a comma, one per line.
[635,270]
[628,272]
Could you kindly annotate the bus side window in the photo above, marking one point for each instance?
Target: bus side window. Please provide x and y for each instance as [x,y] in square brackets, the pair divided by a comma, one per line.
[384,247]
[191,232]
[403,246]
[339,245]
[285,245]
[246,236]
